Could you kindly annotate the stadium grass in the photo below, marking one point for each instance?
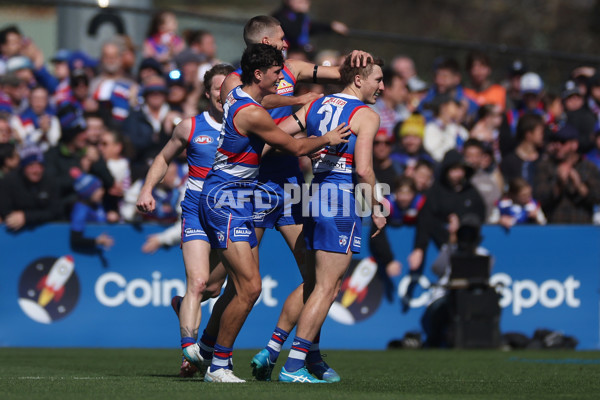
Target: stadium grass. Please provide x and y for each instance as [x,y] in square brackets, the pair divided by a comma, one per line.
[398,374]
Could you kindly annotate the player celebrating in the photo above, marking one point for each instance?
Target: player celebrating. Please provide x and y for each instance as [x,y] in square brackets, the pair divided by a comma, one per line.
[277,170]
[333,231]
[225,212]
[199,135]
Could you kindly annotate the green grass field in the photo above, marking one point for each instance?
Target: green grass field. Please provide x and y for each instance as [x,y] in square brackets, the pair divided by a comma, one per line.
[400,374]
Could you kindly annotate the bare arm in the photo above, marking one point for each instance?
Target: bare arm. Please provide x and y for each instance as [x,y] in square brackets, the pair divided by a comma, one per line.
[366,123]
[304,71]
[257,121]
[158,169]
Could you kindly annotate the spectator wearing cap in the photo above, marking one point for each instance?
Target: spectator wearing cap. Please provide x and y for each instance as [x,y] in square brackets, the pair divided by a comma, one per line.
[29,194]
[450,198]
[38,124]
[446,81]
[579,116]
[532,88]
[483,91]
[88,208]
[391,105]
[522,161]
[512,84]
[443,133]
[149,67]
[72,151]
[567,185]
[149,127]
[9,159]
[410,137]
[113,91]
[17,86]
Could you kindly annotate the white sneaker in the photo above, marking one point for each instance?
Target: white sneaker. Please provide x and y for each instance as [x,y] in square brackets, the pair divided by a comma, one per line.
[222,375]
[192,354]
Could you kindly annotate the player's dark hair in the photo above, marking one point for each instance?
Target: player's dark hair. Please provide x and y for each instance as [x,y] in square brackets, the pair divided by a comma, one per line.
[258,27]
[219,69]
[528,123]
[348,72]
[259,56]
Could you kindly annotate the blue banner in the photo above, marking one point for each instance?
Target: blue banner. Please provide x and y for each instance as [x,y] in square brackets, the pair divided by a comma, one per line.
[51,296]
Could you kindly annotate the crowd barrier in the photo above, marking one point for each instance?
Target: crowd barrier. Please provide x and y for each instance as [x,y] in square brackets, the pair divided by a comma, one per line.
[52,296]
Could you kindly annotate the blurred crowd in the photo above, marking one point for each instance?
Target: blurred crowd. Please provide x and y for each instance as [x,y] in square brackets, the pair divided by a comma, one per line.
[78,132]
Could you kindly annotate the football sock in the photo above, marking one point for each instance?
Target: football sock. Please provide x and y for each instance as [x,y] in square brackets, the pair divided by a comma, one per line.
[220,358]
[278,337]
[187,341]
[207,344]
[314,354]
[297,355]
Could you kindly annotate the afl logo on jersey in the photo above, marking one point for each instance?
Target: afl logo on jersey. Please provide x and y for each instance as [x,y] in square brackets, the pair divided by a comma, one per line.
[203,140]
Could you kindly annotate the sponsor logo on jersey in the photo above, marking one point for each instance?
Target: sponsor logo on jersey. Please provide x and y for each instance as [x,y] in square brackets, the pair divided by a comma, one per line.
[203,139]
[356,241]
[335,102]
[284,87]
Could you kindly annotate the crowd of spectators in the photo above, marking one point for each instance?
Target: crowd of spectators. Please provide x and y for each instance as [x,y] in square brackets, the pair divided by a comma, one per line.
[511,152]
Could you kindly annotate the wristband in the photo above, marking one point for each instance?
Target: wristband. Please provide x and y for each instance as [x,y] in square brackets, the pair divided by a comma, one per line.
[315,73]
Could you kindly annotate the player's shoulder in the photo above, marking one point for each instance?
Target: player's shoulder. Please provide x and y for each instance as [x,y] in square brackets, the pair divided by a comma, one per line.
[184,128]
[365,112]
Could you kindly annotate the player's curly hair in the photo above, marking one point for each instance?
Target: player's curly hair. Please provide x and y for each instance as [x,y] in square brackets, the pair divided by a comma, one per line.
[259,56]
[219,69]
[347,72]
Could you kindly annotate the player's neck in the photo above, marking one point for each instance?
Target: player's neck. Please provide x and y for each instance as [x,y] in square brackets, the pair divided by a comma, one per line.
[215,114]
[255,92]
[353,91]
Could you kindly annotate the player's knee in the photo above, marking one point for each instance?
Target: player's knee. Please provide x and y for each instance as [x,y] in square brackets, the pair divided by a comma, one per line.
[197,286]
[251,290]
[213,289]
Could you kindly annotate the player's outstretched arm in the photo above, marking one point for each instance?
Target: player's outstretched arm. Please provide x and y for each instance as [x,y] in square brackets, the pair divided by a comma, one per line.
[158,169]
[366,124]
[255,120]
[305,72]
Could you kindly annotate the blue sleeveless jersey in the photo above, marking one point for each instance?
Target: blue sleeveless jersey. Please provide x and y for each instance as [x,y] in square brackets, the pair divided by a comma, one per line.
[201,148]
[336,163]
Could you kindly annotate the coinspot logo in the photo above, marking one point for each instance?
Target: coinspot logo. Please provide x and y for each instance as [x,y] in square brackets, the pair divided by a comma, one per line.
[245,194]
[49,289]
[360,295]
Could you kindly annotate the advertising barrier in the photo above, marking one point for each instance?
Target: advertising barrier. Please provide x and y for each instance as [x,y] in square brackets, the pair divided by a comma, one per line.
[52,296]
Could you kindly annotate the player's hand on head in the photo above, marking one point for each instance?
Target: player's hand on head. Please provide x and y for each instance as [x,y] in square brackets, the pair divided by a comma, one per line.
[338,134]
[359,58]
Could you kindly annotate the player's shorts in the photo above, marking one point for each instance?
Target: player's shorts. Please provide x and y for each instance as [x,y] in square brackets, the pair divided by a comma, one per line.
[224,217]
[191,229]
[333,224]
[275,207]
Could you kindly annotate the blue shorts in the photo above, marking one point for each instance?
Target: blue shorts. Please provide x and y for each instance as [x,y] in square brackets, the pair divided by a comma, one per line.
[191,229]
[333,224]
[229,220]
[279,210]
